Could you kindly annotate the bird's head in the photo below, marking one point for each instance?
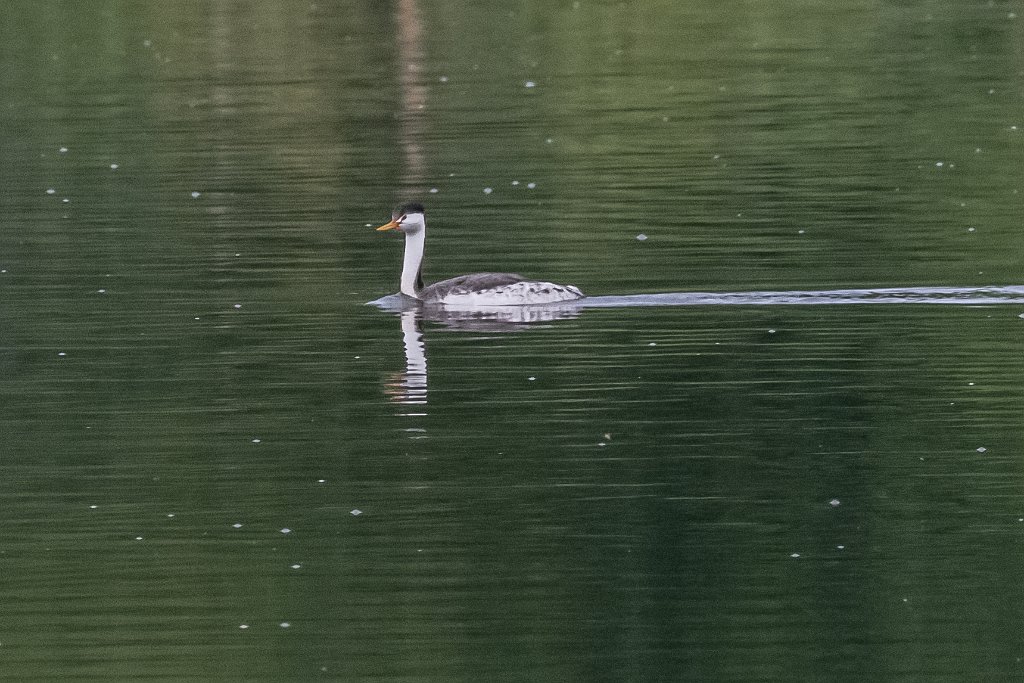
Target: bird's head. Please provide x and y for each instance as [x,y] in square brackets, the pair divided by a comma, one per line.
[408,218]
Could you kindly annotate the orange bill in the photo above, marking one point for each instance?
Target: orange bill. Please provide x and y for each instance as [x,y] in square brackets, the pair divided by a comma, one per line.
[393,225]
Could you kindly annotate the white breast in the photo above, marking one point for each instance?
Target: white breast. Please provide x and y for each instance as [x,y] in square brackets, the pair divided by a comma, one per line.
[514,294]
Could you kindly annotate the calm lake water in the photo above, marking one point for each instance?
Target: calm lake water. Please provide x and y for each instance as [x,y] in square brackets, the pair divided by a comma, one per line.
[216,462]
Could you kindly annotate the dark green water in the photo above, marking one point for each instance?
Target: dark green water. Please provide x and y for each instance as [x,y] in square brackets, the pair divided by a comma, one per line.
[217,463]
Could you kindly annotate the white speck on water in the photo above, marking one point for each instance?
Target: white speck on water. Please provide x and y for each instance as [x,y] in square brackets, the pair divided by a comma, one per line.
[237,255]
[63,150]
[1019,316]
[443,79]
[488,190]
[939,164]
[138,538]
[65,200]
[369,225]
[641,237]
[795,555]
[286,530]
[320,481]
[549,141]
[531,186]
[296,566]
[530,84]
[434,190]
[664,119]
[981,449]
[147,43]
[243,626]
[771,331]
[970,229]
[514,183]
[196,195]
[61,354]
[238,305]
[113,167]
[356,512]
[602,443]
[835,502]
[170,514]
[285,624]
[5,270]
[236,526]
[653,344]
[841,547]
[717,156]
[101,291]
[800,232]
[970,384]
[531,378]
[1011,15]
[93,507]
[50,190]
[196,318]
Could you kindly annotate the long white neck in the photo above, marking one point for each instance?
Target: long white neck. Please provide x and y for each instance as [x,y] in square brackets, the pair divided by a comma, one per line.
[411,279]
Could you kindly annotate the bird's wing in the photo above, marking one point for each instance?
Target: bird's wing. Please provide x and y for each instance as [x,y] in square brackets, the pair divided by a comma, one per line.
[466,284]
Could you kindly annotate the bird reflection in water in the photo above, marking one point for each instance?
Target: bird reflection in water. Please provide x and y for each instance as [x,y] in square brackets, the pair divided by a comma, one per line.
[409,388]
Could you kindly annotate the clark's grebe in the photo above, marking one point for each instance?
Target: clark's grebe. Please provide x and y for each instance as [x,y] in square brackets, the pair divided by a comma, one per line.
[476,289]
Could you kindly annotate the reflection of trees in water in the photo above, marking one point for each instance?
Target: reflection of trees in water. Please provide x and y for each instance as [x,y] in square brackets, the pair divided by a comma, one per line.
[413,94]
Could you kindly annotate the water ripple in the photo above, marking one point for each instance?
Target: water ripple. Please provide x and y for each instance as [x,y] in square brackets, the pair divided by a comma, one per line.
[893,295]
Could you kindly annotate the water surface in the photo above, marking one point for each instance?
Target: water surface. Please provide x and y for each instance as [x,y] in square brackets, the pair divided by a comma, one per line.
[217,462]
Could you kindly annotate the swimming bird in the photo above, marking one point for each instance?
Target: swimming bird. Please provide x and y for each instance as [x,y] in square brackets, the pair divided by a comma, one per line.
[476,289]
